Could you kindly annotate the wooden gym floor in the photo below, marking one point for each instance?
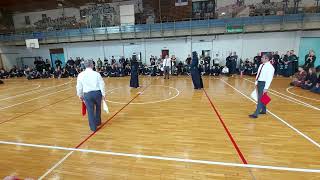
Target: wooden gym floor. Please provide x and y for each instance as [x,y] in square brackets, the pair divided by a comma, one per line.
[164,130]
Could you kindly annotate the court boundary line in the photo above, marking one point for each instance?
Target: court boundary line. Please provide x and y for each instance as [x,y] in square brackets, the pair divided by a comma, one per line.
[39,97]
[277,117]
[150,102]
[254,166]
[48,105]
[38,86]
[299,95]
[92,134]
[291,99]
[36,91]
[235,145]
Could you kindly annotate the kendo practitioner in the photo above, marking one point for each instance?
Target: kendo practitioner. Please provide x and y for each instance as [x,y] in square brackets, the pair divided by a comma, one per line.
[228,62]
[188,62]
[287,69]
[275,63]
[195,73]
[134,80]
[207,60]
[234,60]
[295,64]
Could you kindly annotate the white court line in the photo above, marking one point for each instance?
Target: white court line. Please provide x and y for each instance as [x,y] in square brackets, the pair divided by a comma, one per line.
[294,100]
[56,165]
[299,95]
[280,119]
[40,90]
[151,102]
[38,86]
[2,108]
[158,158]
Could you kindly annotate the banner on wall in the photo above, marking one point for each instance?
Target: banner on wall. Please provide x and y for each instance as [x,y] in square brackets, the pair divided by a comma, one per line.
[203,8]
[181,2]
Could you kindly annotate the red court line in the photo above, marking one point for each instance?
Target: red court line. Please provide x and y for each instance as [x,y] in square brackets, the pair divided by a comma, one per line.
[35,110]
[92,134]
[244,161]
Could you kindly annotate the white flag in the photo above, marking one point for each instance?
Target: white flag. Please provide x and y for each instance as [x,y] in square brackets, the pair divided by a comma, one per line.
[254,95]
[105,106]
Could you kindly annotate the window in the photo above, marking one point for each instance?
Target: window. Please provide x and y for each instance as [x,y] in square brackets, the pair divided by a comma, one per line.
[27,20]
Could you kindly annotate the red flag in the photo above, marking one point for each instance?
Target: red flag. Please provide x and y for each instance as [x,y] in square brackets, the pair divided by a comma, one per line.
[84,109]
[265,99]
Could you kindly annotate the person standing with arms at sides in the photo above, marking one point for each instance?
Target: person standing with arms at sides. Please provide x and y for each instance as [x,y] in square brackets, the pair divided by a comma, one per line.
[263,81]
[91,90]
[294,61]
[99,63]
[188,62]
[134,80]
[195,73]
[275,63]
[309,60]
[173,64]
[228,62]
[166,66]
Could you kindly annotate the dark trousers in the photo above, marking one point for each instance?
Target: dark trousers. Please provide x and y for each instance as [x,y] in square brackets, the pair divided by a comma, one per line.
[93,102]
[260,106]
[166,71]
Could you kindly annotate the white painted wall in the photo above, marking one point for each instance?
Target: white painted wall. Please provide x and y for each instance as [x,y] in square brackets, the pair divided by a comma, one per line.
[246,46]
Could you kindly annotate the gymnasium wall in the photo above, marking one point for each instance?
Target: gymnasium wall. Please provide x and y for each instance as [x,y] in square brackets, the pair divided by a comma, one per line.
[19,19]
[246,46]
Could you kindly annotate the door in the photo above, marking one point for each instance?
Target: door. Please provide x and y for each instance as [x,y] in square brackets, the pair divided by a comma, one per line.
[164,53]
[56,54]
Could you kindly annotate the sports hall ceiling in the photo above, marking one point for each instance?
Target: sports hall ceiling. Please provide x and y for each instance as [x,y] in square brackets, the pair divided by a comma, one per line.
[34,5]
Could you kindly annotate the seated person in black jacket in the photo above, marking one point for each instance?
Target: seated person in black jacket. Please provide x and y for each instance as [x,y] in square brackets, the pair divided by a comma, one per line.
[73,71]
[20,72]
[45,74]
[13,72]
[114,71]
[65,73]
[311,79]
[254,70]
[180,68]
[57,73]
[316,88]
[127,70]
[216,70]
[4,74]
[248,66]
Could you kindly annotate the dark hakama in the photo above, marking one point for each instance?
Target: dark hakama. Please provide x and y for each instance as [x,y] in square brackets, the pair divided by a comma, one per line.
[233,69]
[195,73]
[134,80]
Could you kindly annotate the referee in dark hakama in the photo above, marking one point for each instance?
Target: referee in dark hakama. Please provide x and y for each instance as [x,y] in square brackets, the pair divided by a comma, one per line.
[134,80]
[195,73]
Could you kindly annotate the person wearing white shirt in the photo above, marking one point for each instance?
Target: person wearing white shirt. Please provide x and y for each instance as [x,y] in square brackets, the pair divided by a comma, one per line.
[91,90]
[263,81]
[166,66]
